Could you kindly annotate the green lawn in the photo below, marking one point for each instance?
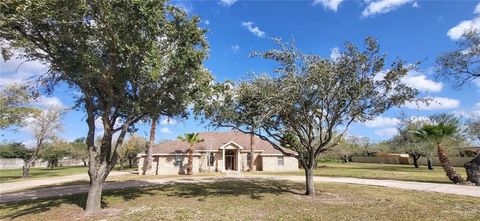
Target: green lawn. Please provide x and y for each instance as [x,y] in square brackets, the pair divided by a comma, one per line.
[14,175]
[378,171]
[254,200]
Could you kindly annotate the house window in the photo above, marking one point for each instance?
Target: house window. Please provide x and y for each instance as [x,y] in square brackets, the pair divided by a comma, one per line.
[280,161]
[178,160]
[211,159]
[249,158]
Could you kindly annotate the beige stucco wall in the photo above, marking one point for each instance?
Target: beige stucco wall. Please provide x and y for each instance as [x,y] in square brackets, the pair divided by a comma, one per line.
[217,165]
[164,165]
[270,163]
[244,161]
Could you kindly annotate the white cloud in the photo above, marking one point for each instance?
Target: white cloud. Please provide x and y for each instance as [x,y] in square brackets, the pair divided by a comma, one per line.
[50,102]
[168,121]
[228,2]
[328,4]
[436,103]
[335,53]
[476,82]
[382,121]
[184,5]
[382,6]
[416,80]
[386,132]
[457,31]
[420,119]
[165,130]
[17,70]
[420,82]
[206,22]
[235,48]
[415,5]
[253,29]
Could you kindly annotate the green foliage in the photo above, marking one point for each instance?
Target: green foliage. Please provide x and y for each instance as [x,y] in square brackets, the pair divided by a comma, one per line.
[79,149]
[462,64]
[134,145]
[191,138]
[14,100]
[407,141]
[14,150]
[53,152]
[309,97]
[128,59]
[473,128]
[441,128]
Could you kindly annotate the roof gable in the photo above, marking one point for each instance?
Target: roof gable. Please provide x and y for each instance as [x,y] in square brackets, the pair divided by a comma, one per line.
[231,143]
[216,141]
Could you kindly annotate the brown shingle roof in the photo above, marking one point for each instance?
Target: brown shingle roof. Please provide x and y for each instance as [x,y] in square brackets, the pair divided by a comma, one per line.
[213,141]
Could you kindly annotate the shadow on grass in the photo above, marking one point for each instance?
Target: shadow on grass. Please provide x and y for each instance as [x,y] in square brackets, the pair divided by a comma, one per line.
[254,189]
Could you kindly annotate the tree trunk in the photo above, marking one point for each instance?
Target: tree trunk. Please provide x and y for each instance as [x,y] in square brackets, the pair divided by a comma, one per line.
[415,162]
[473,170]
[309,182]
[452,174]
[26,167]
[250,164]
[147,165]
[190,161]
[415,158]
[429,163]
[84,162]
[94,199]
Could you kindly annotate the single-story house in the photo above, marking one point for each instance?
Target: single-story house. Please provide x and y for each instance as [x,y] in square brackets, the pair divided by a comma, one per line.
[219,152]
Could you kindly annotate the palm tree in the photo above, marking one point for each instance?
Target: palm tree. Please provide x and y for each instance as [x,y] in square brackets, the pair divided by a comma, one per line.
[251,162]
[191,139]
[147,164]
[437,133]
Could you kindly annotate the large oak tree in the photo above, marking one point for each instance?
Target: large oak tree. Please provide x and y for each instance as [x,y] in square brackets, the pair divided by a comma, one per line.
[308,98]
[123,56]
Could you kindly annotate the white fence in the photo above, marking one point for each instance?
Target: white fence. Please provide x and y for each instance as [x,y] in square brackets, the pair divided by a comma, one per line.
[15,163]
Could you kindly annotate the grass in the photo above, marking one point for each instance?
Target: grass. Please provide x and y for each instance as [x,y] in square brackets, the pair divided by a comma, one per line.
[14,175]
[254,200]
[378,171]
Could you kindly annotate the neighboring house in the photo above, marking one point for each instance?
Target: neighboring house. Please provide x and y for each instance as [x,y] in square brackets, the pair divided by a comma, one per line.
[219,152]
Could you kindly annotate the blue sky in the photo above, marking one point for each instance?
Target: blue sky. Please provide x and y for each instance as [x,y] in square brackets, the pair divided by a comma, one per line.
[407,29]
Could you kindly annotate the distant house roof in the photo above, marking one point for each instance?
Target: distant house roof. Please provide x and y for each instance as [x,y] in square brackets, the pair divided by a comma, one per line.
[213,141]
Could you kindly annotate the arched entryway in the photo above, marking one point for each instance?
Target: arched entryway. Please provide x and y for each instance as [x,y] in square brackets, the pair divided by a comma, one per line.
[231,156]
[230,160]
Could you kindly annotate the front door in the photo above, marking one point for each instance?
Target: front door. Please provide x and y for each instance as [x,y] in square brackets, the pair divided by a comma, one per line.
[229,160]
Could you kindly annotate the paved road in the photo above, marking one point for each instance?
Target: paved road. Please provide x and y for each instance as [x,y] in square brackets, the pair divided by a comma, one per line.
[75,189]
[408,185]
